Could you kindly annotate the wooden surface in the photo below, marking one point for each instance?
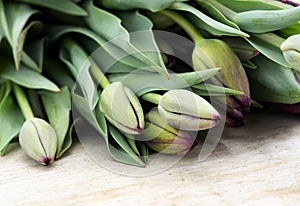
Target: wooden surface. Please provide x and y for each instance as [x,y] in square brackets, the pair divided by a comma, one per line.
[255,165]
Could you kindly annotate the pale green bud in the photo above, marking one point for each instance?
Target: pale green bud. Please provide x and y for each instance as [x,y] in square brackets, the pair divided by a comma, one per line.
[185,110]
[291,51]
[122,108]
[164,138]
[38,140]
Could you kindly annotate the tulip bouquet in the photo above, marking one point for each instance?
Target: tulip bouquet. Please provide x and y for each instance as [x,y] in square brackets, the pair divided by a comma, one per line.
[103,61]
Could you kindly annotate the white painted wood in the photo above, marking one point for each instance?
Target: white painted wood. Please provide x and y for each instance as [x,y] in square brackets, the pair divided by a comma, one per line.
[255,165]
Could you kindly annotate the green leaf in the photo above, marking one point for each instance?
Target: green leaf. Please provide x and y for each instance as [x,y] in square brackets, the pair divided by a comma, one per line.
[35,103]
[57,71]
[100,117]
[141,36]
[247,5]
[259,16]
[127,154]
[1,34]
[82,106]
[249,64]
[64,6]
[114,52]
[58,106]
[271,51]
[153,5]
[132,143]
[13,18]
[79,64]
[271,82]
[144,151]
[67,141]
[26,77]
[202,19]
[213,90]
[11,121]
[117,145]
[109,26]
[215,13]
[262,21]
[33,54]
[144,82]
[290,30]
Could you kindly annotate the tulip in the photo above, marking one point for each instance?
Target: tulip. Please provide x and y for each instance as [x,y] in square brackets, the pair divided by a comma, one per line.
[185,110]
[291,51]
[38,140]
[37,137]
[122,108]
[164,138]
[214,53]
[210,53]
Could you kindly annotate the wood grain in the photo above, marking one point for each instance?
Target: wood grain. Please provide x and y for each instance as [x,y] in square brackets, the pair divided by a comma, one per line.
[255,165]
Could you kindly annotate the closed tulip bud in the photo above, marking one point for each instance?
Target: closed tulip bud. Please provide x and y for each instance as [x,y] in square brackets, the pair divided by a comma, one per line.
[122,108]
[164,138]
[234,118]
[214,53]
[185,110]
[38,140]
[291,51]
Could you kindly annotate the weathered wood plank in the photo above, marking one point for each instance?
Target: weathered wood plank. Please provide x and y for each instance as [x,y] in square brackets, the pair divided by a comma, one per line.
[255,165]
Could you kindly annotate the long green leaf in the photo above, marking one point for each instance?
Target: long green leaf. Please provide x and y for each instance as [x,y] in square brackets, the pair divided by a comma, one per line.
[13,18]
[58,106]
[109,26]
[261,21]
[119,150]
[11,121]
[271,82]
[209,22]
[129,155]
[116,53]
[67,141]
[153,5]
[144,82]
[79,63]
[65,6]
[272,52]
[247,5]
[141,36]
[82,106]
[33,54]
[215,13]
[26,77]
[57,71]
[1,34]
[213,90]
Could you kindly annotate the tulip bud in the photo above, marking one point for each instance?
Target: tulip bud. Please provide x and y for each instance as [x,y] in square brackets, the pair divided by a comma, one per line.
[164,138]
[38,139]
[185,110]
[214,53]
[122,108]
[291,51]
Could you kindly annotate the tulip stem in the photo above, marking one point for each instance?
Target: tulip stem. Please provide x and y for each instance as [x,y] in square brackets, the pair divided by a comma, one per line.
[99,76]
[185,24]
[151,97]
[22,101]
